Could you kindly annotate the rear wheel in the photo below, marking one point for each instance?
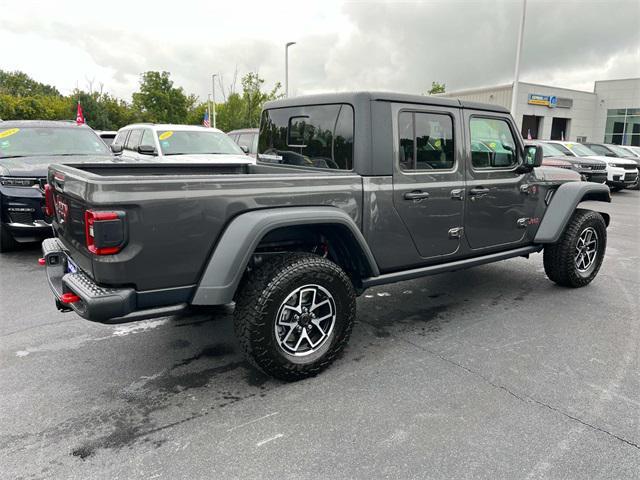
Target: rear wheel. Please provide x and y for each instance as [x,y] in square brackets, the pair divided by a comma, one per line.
[294,314]
[574,261]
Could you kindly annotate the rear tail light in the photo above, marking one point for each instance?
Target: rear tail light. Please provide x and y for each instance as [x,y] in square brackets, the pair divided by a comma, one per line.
[48,200]
[104,231]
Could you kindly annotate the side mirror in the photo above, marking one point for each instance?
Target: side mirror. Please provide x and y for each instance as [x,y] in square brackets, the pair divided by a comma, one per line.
[533,156]
[116,149]
[245,149]
[147,150]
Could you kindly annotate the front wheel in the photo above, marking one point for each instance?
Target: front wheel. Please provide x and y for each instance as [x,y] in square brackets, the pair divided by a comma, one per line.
[574,261]
[294,314]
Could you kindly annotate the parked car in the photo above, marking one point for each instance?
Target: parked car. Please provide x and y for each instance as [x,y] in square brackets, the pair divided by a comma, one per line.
[247,139]
[590,169]
[617,151]
[107,136]
[27,147]
[621,172]
[177,143]
[392,187]
[634,150]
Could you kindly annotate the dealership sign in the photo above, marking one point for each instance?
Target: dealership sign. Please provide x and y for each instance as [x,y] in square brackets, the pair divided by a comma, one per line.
[550,101]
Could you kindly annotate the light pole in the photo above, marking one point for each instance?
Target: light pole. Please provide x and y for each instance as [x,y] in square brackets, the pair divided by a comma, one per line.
[286,68]
[213,98]
[516,74]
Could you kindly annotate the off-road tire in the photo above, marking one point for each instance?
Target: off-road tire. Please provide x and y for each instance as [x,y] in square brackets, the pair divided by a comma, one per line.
[559,258]
[7,243]
[259,299]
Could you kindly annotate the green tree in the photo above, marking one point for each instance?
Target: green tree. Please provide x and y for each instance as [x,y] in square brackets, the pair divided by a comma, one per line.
[159,101]
[436,87]
[19,84]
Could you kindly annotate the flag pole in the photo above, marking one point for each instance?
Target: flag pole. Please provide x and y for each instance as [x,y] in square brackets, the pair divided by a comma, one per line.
[516,74]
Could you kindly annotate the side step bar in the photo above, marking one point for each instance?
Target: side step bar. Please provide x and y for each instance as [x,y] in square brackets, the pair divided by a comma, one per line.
[448,267]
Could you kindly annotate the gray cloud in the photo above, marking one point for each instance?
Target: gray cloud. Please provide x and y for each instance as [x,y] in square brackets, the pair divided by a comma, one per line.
[393,46]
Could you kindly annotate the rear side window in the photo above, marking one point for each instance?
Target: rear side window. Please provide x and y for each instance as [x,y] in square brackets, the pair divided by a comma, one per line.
[134,139]
[121,138]
[426,141]
[318,136]
[492,143]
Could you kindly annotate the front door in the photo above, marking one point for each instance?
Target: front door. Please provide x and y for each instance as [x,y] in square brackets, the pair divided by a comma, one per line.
[497,209]
[428,178]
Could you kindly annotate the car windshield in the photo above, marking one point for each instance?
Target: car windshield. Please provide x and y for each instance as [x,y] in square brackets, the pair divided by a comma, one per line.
[580,150]
[39,141]
[621,152]
[179,142]
[551,151]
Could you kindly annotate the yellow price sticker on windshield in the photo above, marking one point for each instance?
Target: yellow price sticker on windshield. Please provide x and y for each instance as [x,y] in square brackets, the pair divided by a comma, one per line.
[569,145]
[437,143]
[8,133]
[165,135]
[492,145]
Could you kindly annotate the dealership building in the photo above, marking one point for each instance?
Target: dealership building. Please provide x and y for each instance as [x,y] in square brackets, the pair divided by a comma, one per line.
[610,113]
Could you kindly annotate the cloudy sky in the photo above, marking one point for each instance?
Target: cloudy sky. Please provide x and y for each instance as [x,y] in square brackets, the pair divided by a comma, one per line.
[399,46]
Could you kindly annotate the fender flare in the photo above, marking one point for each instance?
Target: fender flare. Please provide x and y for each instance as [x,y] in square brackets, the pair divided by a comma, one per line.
[563,204]
[239,240]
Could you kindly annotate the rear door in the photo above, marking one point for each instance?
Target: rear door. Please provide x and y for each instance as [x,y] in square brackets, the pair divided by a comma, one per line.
[496,207]
[428,177]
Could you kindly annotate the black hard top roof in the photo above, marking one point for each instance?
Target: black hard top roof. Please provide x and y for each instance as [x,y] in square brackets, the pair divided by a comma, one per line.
[357,97]
[40,124]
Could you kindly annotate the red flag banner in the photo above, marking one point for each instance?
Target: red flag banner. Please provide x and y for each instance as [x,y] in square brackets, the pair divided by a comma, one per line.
[79,115]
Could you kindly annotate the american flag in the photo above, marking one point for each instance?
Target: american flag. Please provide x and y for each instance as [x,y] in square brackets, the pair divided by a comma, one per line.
[205,120]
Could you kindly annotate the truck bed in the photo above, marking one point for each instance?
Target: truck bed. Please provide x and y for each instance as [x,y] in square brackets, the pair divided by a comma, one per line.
[176,212]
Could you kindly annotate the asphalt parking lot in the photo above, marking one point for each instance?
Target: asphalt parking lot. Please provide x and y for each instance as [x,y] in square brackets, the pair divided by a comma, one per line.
[489,373]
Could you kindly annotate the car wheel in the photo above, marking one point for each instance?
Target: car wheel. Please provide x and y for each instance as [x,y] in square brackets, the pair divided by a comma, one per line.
[574,261]
[294,314]
[7,243]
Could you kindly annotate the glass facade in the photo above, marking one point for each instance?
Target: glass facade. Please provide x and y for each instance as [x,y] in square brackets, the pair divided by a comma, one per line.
[623,126]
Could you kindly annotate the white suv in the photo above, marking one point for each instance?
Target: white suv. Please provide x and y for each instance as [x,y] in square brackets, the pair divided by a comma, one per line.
[178,143]
[621,173]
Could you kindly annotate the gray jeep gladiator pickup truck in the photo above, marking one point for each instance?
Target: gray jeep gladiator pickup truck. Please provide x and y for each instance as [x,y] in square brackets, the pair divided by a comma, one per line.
[350,190]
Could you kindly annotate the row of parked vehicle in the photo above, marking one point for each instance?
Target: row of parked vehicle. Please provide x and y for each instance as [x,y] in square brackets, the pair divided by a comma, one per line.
[28,147]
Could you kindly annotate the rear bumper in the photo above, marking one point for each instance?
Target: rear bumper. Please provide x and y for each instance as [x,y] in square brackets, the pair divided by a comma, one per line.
[96,303]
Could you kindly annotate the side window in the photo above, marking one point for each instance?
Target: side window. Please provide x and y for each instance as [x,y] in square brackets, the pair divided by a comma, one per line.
[244,140]
[426,141]
[121,138]
[147,138]
[318,136]
[492,143]
[134,139]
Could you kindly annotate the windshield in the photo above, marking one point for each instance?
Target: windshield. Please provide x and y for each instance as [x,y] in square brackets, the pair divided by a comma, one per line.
[621,152]
[178,142]
[551,151]
[39,141]
[581,150]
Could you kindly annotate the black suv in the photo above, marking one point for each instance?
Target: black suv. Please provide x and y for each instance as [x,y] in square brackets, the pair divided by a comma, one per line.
[27,147]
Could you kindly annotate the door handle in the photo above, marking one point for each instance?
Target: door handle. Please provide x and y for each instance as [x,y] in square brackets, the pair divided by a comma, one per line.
[478,192]
[457,194]
[416,195]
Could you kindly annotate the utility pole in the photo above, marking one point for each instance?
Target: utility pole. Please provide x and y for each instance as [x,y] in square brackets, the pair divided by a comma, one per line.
[516,74]
[213,98]
[286,68]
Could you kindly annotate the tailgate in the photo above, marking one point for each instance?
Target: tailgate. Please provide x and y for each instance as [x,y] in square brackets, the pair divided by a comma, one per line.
[69,208]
